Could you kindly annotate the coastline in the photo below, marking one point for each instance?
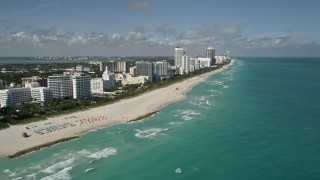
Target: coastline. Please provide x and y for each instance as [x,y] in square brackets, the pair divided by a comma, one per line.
[69,126]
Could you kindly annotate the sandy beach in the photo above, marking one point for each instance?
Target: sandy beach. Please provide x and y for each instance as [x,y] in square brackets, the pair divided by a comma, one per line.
[77,123]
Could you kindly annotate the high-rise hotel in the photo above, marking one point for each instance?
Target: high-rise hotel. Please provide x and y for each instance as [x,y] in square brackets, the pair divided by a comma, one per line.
[181,60]
[211,53]
[178,56]
[61,86]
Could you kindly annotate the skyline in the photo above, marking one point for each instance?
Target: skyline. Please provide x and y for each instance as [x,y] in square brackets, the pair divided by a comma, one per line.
[154,28]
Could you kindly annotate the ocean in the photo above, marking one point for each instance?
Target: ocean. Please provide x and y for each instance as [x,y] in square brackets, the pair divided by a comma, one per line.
[260,119]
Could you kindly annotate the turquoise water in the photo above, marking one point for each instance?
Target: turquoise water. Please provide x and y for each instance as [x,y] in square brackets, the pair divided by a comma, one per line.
[260,119]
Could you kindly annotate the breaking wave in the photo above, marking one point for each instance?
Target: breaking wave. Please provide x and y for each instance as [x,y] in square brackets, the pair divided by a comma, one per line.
[61,175]
[104,153]
[59,165]
[149,132]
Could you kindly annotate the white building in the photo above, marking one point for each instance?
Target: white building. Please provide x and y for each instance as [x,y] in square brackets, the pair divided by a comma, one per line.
[134,80]
[97,85]
[204,62]
[100,85]
[228,55]
[41,94]
[194,64]
[14,96]
[220,59]
[81,86]
[109,78]
[160,69]
[185,64]
[178,56]
[61,86]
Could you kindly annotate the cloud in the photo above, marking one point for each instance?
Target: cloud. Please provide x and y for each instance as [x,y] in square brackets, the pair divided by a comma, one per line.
[217,31]
[143,40]
[58,40]
[138,5]
[282,40]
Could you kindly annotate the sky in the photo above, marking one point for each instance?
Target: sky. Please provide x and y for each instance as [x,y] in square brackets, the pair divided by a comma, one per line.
[156,27]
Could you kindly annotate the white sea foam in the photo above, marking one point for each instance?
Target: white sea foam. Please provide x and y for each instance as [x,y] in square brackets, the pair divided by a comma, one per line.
[58,166]
[7,171]
[31,177]
[149,132]
[104,153]
[176,123]
[186,118]
[190,112]
[61,175]
[178,171]
[13,174]
[87,170]
[84,152]
[17,178]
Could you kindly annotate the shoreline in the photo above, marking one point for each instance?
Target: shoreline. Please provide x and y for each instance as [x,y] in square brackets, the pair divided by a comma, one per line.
[63,127]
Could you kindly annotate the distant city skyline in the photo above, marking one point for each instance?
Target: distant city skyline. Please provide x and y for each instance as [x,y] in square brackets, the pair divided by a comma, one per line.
[155,28]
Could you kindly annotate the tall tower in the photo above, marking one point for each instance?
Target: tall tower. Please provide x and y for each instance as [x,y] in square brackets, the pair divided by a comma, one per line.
[228,55]
[211,53]
[178,56]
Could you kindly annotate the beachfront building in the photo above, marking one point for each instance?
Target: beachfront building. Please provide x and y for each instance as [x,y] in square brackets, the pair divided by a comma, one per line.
[81,86]
[227,55]
[160,70]
[178,58]
[220,59]
[97,86]
[61,86]
[204,62]
[194,64]
[144,68]
[211,53]
[41,94]
[185,64]
[109,79]
[14,96]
